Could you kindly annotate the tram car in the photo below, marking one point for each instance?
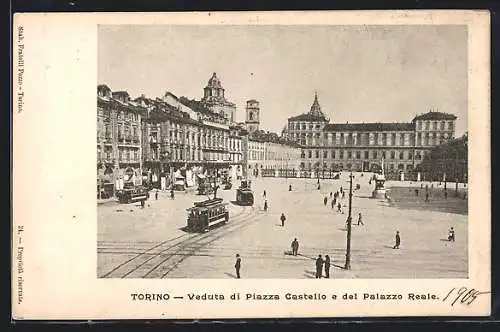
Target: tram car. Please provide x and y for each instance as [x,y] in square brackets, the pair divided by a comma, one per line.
[131,195]
[244,195]
[206,214]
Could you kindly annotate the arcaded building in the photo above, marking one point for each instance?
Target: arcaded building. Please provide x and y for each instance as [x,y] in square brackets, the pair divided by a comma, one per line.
[362,146]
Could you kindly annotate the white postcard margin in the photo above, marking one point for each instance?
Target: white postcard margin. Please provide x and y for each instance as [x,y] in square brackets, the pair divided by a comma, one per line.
[54,209]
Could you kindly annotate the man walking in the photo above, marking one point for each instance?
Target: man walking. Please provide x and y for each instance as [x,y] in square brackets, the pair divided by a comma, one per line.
[295,247]
[265,205]
[283,218]
[156,195]
[319,267]
[398,241]
[289,187]
[333,203]
[172,195]
[451,235]
[327,266]
[325,200]
[339,207]
[331,194]
[360,221]
[264,195]
[237,266]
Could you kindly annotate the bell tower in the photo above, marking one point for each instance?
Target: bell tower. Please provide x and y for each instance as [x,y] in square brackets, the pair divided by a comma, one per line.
[252,115]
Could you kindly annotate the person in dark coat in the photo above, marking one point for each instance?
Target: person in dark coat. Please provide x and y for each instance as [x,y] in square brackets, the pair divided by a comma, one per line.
[333,203]
[331,194]
[289,187]
[237,265]
[264,195]
[398,241]
[325,200]
[283,218]
[265,205]
[142,204]
[295,247]
[156,194]
[360,221]
[327,266]
[319,267]
[172,195]
[451,235]
[339,207]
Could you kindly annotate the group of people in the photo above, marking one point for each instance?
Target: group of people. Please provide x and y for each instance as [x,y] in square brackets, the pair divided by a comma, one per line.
[320,264]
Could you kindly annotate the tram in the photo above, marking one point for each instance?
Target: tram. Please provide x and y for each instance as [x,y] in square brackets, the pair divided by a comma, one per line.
[206,214]
[244,195]
[131,195]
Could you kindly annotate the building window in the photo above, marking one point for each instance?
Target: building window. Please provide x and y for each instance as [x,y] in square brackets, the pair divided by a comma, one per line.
[342,139]
[302,154]
[310,154]
[427,125]
[358,155]
[401,155]
[402,139]
[393,155]
[317,154]
[374,155]
[383,154]
[367,155]
[442,125]
[303,127]
[349,155]
[317,126]
[341,154]
[333,154]
[325,154]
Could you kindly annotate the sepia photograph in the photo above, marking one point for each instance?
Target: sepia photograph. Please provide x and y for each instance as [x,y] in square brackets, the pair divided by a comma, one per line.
[282,151]
[238,165]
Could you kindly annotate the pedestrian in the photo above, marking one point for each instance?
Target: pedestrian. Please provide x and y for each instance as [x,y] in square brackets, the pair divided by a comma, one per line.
[283,218]
[426,197]
[142,204]
[341,190]
[327,266]
[339,207]
[343,194]
[156,195]
[172,195]
[398,241]
[325,200]
[333,203]
[331,194]
[319,267]
[295,247]
[289,187]
[264,195]
[360,221]
[265,205]
[237,266]
[451,235]
[319,186]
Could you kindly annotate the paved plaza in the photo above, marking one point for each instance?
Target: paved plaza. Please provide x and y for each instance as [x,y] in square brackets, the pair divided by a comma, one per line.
[151,242]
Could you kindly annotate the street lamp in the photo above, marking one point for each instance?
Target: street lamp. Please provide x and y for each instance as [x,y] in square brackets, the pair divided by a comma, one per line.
[349,223]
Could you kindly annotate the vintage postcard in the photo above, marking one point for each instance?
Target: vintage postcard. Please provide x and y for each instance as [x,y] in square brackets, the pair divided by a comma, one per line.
[251,165]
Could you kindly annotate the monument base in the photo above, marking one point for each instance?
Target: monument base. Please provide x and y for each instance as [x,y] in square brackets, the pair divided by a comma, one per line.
[379,193]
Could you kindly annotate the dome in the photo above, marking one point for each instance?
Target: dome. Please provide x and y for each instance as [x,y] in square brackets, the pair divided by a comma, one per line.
[214,82]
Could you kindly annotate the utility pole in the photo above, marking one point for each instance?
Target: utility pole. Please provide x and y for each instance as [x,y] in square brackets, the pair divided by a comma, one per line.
[349,223]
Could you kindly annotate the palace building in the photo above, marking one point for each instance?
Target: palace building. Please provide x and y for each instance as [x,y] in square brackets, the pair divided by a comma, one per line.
[362,146]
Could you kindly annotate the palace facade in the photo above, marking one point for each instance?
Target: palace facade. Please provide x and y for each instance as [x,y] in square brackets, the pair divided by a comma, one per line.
[362,146]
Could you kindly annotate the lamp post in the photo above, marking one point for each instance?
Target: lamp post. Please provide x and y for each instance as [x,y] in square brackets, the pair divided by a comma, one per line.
[349,223]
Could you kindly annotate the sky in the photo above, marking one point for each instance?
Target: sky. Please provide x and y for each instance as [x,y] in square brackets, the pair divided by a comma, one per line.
[361,73]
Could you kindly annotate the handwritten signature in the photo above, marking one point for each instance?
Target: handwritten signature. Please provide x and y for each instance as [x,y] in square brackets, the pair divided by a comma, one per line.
[464,295]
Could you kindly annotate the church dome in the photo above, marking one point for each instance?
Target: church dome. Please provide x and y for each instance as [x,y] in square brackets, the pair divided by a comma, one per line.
[214,82]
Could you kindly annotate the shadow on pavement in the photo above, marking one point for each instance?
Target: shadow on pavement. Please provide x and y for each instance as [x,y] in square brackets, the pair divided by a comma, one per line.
[390,247]
[230,275]
[313,258]
[339,266]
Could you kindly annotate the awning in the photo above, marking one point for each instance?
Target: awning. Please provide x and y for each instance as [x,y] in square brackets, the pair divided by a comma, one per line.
[201,176]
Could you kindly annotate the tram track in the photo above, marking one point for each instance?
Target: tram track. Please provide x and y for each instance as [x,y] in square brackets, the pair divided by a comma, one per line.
[182,255]
[124,269]
[159,260]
